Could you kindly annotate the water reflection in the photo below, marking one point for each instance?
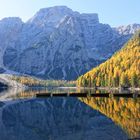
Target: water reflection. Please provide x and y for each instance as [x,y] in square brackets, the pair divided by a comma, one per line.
[67,118]
[55,119]
[125,112]
[30,93]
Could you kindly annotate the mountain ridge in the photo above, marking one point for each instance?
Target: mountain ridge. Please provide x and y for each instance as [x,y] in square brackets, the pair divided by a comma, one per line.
[60,44]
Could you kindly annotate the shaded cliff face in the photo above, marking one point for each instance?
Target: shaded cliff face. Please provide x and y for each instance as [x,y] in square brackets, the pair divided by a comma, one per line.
[55,119]
[10,28]
[58,43]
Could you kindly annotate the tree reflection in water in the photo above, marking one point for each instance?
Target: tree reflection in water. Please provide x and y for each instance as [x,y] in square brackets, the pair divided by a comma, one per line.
[125,112]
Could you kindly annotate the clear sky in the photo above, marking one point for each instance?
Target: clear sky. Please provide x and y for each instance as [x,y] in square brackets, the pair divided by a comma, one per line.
[113,12]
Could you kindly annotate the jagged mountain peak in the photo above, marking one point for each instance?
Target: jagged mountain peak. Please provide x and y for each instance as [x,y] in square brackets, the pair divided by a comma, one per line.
[52,14]
[11,19]
[62,9]
[128,29]
[10,22]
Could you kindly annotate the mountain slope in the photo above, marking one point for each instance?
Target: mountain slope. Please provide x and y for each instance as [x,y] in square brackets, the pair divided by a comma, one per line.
[58,43]
[9,32]
[121,69]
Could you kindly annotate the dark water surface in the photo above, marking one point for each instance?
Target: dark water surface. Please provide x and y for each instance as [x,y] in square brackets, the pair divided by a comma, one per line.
[24,117]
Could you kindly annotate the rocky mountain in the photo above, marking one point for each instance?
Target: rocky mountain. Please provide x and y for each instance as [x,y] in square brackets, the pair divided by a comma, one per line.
[129,29]
[58,43]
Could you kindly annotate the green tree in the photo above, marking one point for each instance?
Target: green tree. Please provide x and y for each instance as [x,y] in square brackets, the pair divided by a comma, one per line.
[134,80]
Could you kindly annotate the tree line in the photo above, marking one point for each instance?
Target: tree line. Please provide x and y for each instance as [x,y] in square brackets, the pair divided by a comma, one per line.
[122,69]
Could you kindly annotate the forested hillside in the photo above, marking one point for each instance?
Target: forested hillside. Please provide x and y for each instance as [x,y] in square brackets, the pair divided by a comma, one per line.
[123,68]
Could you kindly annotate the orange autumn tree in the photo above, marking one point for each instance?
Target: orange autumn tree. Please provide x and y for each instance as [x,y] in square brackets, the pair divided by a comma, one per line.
[123,68]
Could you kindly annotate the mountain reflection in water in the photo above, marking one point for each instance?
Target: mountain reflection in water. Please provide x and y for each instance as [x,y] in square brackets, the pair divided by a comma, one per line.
[68,118]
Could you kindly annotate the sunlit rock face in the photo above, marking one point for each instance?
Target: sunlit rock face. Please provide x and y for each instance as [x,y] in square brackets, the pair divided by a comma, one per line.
[58,43]
[55,119]
[129,29]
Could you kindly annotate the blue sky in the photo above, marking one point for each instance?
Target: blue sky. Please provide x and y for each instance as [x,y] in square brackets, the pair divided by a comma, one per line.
[113,12]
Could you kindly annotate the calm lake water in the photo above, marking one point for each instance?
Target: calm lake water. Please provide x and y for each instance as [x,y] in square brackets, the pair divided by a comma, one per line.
[25,117]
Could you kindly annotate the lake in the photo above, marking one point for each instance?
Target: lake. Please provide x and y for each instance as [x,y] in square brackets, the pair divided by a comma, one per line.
[25,117]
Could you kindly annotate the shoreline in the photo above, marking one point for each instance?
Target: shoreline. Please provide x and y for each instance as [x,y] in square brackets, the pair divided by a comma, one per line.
[110,88]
